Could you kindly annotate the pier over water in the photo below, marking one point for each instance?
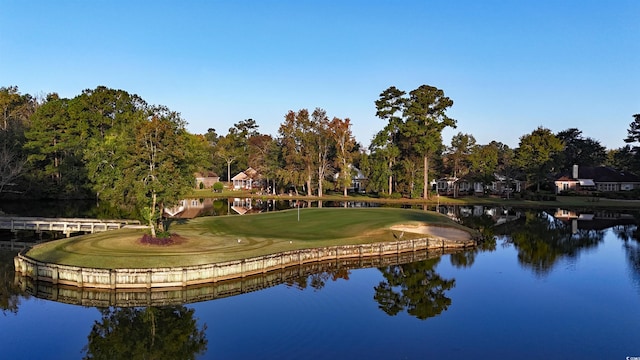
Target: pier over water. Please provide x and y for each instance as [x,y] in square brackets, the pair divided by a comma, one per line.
[67,226]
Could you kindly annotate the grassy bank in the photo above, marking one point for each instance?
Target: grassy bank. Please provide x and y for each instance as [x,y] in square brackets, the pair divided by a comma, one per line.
[562,201]
[216,239]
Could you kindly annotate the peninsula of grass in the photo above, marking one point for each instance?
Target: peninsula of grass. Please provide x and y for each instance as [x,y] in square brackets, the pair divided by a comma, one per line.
[217,239]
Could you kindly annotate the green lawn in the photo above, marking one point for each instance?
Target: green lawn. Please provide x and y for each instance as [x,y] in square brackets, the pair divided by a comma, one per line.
[312,224]
[224,238]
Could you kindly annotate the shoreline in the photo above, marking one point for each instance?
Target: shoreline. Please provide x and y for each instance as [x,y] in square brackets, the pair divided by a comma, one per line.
[183,276]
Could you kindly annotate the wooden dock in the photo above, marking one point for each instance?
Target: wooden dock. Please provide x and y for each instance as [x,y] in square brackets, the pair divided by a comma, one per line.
[65,225]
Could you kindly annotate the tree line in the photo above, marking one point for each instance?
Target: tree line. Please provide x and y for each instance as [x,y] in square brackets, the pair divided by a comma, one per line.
[114,146]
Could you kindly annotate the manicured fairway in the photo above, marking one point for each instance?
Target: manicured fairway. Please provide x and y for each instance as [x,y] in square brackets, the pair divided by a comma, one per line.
[216,239]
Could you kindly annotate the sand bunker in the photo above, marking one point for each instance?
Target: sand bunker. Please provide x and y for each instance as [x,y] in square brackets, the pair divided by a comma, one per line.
[448,233]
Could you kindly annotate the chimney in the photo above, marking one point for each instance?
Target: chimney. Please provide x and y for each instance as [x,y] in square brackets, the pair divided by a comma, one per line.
[575,171]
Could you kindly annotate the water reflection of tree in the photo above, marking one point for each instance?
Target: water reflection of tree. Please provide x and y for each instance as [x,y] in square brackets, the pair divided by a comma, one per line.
[146,333]
[10,292]
[318,280]
[632,249]
[485,226]
[627,232]
[542,240]
[630,236]
[416,288]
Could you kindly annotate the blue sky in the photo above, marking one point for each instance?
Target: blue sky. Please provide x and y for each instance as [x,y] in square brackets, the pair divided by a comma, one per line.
[509,66]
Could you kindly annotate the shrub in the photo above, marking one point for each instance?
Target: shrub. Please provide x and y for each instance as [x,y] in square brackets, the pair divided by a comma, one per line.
[218,187]
[163,238]
[396,195]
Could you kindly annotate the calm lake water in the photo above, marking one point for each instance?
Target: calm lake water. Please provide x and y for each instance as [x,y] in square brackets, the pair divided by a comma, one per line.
[553,285]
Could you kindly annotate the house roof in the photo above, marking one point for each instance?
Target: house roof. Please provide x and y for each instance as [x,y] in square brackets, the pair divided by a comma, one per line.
[599,174]
[250,173]
[206,174]
[240,176]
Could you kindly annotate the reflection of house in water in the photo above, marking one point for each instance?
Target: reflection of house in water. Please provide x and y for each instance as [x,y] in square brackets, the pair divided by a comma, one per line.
[247,206]
[500,185]
[189,208]
[593,220]
[499,215]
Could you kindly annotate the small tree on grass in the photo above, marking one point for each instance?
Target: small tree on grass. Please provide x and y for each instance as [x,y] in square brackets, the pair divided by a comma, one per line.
[161,170]
[148,167]
[218,187]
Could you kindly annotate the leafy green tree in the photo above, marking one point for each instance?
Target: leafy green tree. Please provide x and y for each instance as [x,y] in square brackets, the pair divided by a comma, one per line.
[633,137]
[112,116]
[160,169]
[345,143]
[9,98]
[56,143]
[458,153]
[15,113]
[536,154]
[239,136]
[375,167]
[227,150]
[408,176]
[633,133]
[297,141]
[148,166]
[11,166]
[579,150]
[506,165]
[323,145]
[244,129]
[389,107]
[169,332]
[199,151]
[264,156]
[623,158]
[457,156]
[103,108]
[483,162]
[425,119]
[414,127]
[233,148]
[212,137]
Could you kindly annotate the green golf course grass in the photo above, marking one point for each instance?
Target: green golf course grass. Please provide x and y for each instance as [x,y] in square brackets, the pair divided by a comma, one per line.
[209,240]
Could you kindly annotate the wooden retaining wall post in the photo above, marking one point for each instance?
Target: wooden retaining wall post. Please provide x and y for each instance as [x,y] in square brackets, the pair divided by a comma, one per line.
[112,279]
[80,278]
[54,274]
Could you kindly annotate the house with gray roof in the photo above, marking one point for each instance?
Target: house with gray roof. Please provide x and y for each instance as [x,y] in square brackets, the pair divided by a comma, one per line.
[597,178]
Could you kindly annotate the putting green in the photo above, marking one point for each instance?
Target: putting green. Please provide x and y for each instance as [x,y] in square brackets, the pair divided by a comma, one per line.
[216,239]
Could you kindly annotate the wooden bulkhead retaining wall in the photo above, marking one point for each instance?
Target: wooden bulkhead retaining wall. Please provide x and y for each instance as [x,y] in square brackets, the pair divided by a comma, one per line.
[201,274]
[95,297]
